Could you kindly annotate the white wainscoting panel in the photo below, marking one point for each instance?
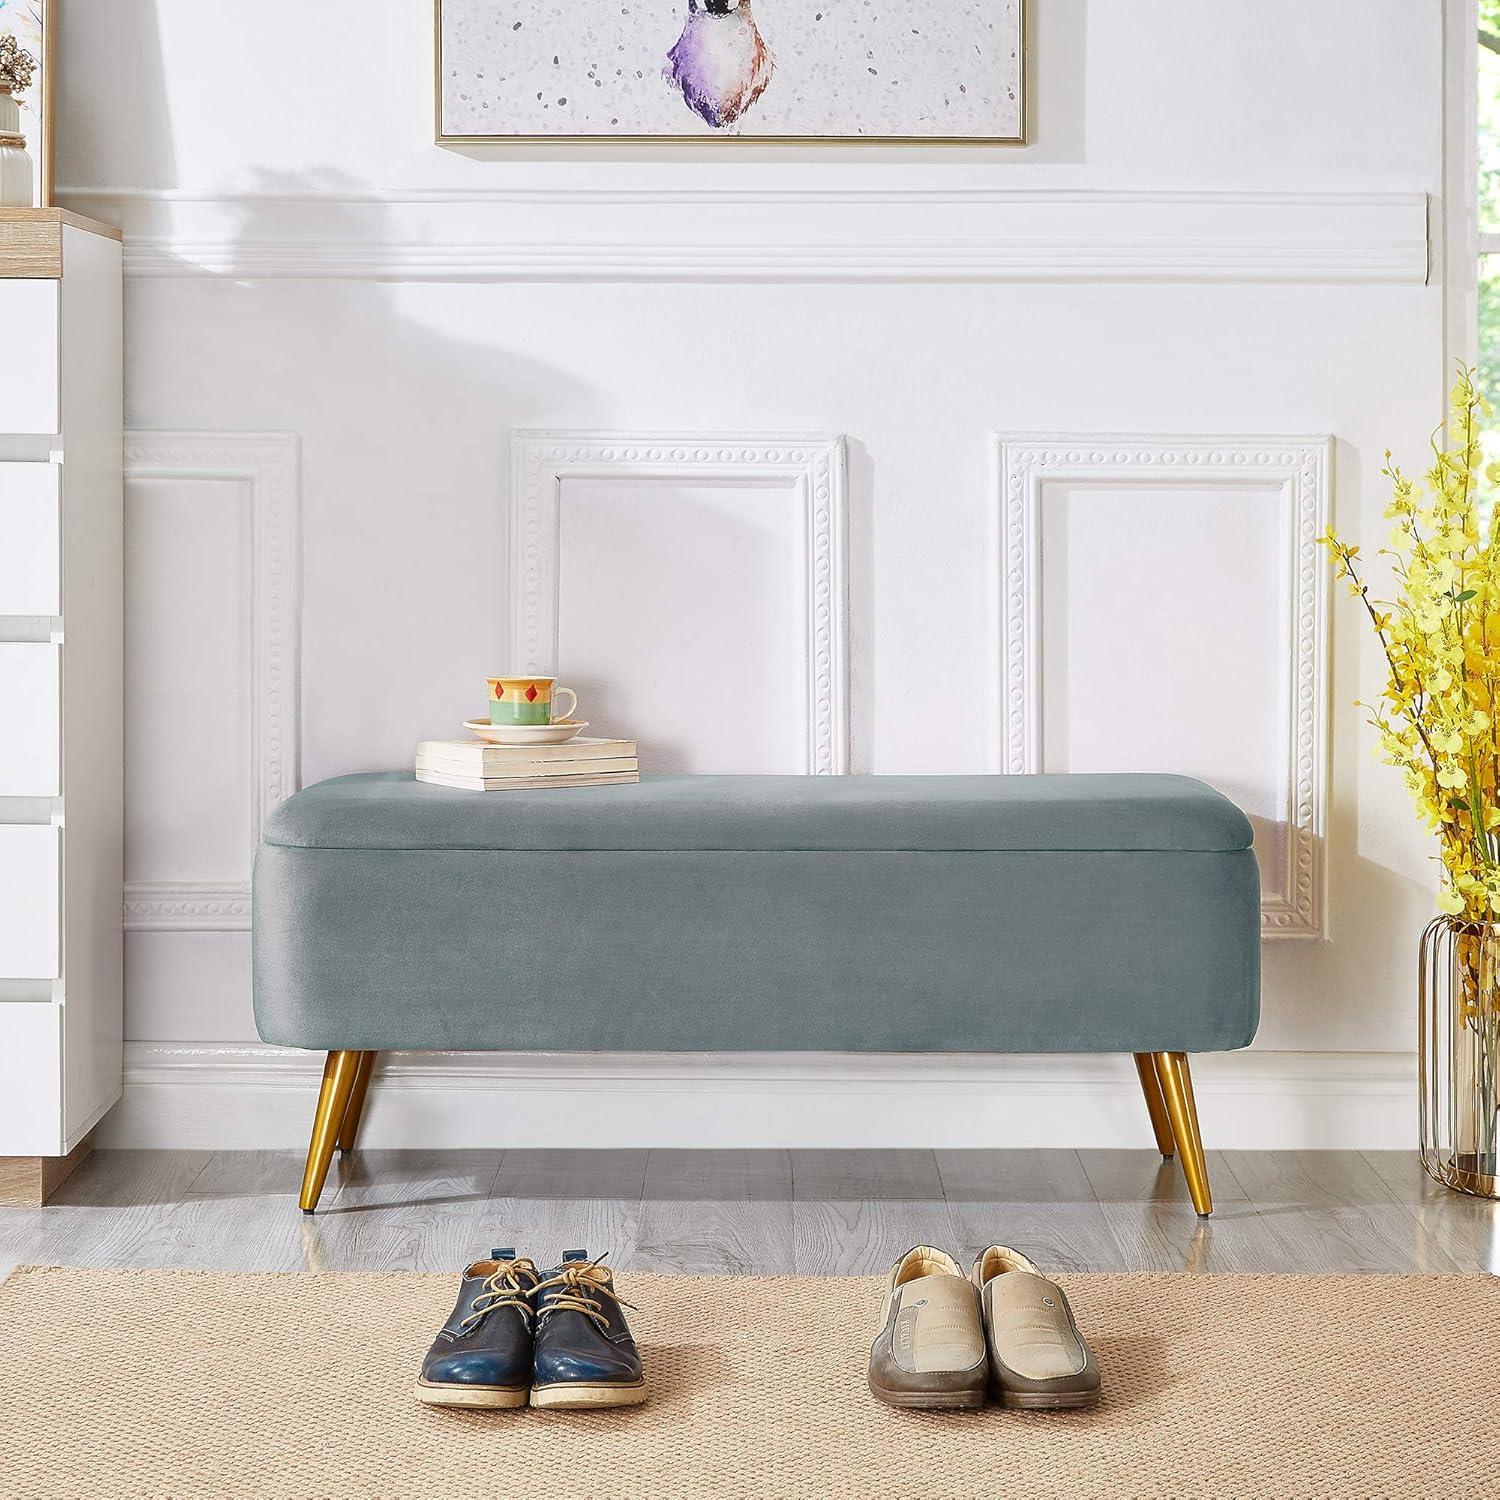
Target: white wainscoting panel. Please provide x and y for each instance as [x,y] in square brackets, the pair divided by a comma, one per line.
[213,733]
[212,1096]
[691,589]
[1163,606]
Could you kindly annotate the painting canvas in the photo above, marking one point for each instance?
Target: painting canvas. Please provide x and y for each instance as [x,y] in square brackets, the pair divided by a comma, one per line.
[26,20]
[935,70]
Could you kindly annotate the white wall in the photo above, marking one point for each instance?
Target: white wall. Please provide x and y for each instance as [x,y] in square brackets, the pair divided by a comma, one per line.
[1220,229]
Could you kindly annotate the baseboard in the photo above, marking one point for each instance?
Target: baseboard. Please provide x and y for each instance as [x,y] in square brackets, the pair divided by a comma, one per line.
[230,1096]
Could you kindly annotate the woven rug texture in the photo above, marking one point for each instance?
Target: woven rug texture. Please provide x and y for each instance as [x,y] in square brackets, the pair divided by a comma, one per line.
[187,1383]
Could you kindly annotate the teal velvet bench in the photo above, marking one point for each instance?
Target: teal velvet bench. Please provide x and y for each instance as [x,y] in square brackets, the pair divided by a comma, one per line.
[765,914]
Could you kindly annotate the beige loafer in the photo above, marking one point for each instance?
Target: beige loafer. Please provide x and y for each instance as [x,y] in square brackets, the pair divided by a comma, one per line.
[1038,1359]
[929,1352]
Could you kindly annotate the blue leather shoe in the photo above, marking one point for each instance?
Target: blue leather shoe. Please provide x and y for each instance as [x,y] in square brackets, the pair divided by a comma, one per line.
[584,1354]
[482,1355]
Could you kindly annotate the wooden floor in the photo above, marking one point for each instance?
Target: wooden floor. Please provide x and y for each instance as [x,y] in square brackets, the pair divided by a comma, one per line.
[767,1212]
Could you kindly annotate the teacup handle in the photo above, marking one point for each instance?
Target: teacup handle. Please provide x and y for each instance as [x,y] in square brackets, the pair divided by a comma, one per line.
[572,703]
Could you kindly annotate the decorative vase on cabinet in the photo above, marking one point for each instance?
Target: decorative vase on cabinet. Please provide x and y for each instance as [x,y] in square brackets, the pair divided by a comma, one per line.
[15,160]
[61,700]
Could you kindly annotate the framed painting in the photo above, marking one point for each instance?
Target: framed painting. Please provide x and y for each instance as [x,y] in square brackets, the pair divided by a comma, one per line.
[29,22]
[808,71]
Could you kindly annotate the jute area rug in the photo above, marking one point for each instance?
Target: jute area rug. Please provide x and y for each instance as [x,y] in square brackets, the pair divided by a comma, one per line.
[196,1383]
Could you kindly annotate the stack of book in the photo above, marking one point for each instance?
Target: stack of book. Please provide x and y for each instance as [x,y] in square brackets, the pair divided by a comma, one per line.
[478,767]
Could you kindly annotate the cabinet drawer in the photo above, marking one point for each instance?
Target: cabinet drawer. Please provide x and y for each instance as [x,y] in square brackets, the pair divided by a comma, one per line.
[31,711]
[29,372]
[30,903]
[30,563]
[31,1048]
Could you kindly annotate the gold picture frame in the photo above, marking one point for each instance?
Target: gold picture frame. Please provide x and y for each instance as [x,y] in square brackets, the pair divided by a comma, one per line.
[441,138]
[46,153]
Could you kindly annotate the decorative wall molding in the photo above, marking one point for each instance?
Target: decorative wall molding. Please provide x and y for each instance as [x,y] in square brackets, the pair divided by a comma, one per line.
[587,193]
[197,906]
[1300,469]
[811,465]
[572,231]
[210,1095]
[266,462]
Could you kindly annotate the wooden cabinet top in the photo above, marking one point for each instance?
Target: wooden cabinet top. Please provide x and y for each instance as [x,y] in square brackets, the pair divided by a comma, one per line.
[31,239]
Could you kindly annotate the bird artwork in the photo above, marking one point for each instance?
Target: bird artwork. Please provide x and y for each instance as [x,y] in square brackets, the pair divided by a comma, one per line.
[720,62]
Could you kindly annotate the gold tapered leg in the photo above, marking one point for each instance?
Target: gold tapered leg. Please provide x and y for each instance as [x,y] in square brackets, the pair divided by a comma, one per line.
[333,1100]
[356,1106]
[1156,1106]
[1177,1088]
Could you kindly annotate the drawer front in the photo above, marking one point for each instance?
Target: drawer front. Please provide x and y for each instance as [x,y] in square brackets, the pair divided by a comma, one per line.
[31,710]
[30,901]
[30,561]
[29,372]
[31,1047]
[30,1079]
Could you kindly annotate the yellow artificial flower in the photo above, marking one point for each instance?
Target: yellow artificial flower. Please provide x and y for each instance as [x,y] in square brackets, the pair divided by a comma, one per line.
[1440,633]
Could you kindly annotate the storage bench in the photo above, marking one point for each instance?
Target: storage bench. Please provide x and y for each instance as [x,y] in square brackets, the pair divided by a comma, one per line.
[1113,913]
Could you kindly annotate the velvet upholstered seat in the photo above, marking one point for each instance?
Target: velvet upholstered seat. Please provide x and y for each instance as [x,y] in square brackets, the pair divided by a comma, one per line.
[760,913]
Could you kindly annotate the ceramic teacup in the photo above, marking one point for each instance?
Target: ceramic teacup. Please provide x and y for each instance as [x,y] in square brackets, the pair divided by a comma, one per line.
[528,700]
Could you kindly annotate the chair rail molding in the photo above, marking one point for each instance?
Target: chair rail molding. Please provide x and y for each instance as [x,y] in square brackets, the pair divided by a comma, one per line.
[812,465]
[887,231]
[267,464]
[1300,470]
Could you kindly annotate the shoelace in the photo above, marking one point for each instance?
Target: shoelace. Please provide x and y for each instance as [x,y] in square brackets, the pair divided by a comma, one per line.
[578,1279]
[503,1287]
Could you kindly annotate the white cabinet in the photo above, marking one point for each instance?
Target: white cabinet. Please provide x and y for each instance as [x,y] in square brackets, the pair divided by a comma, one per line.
[61,705]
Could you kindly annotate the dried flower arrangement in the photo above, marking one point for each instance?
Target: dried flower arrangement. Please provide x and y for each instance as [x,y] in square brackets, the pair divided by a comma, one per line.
[17,66]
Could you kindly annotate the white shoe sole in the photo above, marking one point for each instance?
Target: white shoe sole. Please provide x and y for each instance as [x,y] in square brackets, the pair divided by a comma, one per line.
[577,1396]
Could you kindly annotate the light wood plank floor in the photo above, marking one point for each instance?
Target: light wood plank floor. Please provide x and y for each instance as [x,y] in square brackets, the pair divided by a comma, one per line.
[768,1212]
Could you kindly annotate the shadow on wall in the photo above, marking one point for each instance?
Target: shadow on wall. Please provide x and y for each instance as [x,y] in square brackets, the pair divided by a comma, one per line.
[642,667]
[402,395]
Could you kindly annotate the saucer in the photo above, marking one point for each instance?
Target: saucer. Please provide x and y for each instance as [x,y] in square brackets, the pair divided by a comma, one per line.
[526,734]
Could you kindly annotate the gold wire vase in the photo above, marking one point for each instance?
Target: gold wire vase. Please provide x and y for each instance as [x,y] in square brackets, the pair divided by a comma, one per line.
[1458,1048]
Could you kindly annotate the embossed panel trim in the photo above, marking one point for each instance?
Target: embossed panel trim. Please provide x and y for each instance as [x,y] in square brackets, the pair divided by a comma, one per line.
[268,463]
[197,906]
[1300,469]
[812,465]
